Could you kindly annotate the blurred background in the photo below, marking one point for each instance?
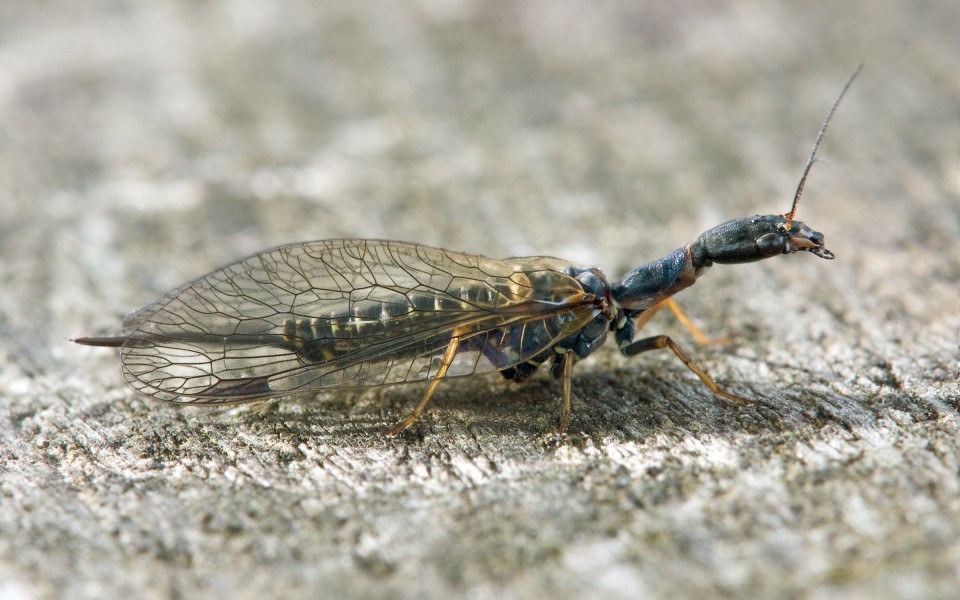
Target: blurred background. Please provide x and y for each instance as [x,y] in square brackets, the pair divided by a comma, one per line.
[150,142]
[145,143]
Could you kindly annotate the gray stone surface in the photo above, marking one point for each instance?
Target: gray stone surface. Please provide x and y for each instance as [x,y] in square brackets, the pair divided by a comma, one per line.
[145,143]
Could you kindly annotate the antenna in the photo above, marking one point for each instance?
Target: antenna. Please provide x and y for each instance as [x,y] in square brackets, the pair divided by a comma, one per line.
[813,153]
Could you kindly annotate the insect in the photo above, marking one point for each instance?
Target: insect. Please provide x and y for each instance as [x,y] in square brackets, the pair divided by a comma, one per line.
[355,313]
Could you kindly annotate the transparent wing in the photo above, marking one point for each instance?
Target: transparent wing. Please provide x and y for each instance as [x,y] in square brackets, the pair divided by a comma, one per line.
[347,313]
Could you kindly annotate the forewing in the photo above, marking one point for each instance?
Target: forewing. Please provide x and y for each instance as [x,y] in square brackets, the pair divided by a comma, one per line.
[347,313]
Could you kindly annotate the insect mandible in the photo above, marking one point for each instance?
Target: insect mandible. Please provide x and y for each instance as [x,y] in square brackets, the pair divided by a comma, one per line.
[356,313]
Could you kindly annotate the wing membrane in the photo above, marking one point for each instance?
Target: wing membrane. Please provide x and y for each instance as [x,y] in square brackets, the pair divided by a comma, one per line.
[347,313]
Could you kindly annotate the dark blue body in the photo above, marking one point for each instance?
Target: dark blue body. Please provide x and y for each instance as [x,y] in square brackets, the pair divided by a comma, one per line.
[619,305]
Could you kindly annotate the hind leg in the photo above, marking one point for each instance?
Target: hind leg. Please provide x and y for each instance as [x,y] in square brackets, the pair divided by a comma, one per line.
[660,342]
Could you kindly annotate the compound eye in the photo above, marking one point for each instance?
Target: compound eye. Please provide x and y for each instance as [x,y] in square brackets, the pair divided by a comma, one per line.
[771,244]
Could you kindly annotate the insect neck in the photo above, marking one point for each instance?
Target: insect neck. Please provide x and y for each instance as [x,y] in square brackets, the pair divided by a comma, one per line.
[656,281]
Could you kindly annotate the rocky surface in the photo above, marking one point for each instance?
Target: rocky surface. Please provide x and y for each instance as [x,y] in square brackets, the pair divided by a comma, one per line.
[146,143]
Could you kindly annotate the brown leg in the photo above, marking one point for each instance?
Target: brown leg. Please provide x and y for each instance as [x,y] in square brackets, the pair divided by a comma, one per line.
[445,363]
[644,317]
[698,335]
[659,342]
[565,410]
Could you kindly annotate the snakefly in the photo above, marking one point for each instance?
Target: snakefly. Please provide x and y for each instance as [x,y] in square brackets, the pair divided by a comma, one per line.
[355,313]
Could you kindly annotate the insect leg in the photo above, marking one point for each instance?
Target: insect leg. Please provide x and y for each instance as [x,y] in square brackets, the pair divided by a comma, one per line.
[568,358]
[644,317]
[445,363]
[698,335]
[659,342]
